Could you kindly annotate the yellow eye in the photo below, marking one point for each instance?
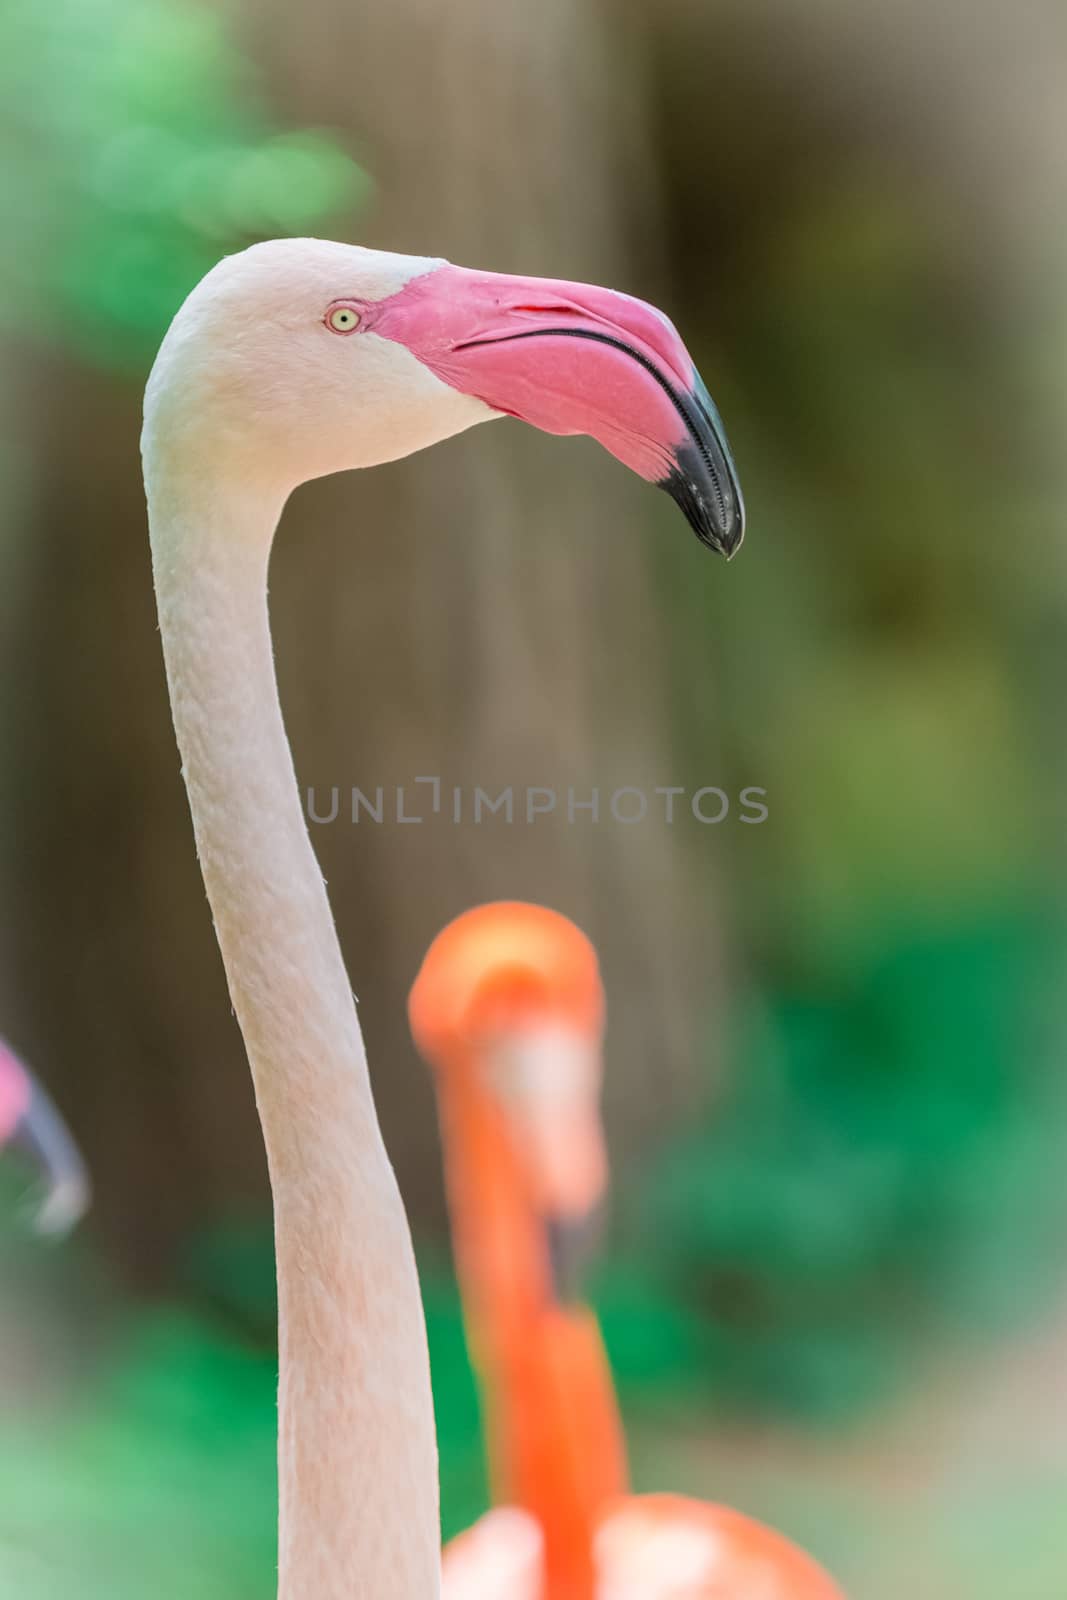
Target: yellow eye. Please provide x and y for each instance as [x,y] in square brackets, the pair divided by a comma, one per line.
[342,319]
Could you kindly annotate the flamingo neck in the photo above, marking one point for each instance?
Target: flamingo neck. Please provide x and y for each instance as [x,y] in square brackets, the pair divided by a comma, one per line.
[555,1437]
[356,1449]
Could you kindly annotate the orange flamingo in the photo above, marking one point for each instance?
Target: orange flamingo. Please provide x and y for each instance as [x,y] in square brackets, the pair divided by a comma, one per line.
[508,1008]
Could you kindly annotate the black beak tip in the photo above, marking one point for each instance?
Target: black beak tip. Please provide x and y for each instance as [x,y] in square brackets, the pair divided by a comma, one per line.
[703,478]
[715,512]
[730,535]
[735,541]
[571,1243]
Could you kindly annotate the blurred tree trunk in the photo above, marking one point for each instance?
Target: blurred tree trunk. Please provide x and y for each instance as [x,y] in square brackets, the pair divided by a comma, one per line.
[483,613]
[486,612]
[13,433]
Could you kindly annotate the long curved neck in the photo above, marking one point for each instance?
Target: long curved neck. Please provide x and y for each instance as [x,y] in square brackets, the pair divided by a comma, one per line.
[356,1452]
[555,1437]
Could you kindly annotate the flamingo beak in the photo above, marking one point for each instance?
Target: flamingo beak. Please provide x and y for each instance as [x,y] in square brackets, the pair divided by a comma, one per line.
[572,1244]
[549,1081]
[573,358]
[30,1123]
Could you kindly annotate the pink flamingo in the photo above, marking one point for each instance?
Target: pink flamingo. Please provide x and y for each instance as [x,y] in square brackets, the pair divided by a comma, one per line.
[508,1008]
[295,359]
[30,1122]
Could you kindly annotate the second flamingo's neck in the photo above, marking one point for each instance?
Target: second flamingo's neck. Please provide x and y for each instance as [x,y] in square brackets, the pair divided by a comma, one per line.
[555,1438]
[357,1454]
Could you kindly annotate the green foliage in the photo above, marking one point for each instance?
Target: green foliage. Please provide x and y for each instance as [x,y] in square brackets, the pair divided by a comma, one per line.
[464,1490]
[230,1268]
[884,1164]
[657,1342]
[160,1474]
[158,1462]
[135,153]
[883,1158]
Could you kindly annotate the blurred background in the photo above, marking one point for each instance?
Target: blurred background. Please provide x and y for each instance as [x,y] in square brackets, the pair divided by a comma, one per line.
[835,1289]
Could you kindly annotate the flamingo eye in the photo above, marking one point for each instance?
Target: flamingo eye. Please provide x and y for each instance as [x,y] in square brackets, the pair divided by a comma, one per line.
[342,319]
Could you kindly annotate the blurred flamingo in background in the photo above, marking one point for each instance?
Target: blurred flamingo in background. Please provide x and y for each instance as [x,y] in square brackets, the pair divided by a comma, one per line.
[508,1008]
[294,359]
[30,1122]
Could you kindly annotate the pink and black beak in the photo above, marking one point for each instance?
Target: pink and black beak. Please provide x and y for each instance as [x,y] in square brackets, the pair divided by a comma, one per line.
[31,1125]
[572,358]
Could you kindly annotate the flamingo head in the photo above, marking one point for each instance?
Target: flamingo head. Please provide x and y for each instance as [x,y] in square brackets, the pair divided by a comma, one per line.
[509,1002]
[30,1123]
[301,357]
